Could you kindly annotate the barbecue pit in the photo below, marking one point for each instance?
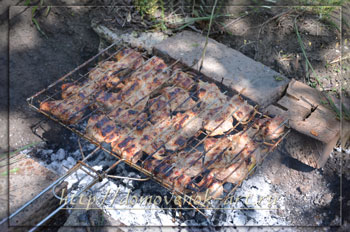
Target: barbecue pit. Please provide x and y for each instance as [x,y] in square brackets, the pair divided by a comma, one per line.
[158,164]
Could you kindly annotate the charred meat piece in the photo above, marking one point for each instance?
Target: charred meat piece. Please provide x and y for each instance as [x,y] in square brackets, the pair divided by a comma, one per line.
[135,94]
[216,150]
[127,56]
[240,140]
[159,109]
[125,53]
[109,72]
[271,128]
[210,95]
[179,98]
[125,115]
[218,120]
[187,125]
[244,110]
[154,137]
[210,187]
[183,80]
[252,153]
[69,110]
[168,174]
[153,66]
[156,80]
[69,89]
[108,100]
[128,147]
[224,150]
[150,142]
[233,173]
[172,173]
[85,91]
[188,163]
[173,132]
[103,129]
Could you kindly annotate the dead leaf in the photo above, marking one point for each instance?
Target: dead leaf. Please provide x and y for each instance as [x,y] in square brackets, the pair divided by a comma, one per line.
[314,133]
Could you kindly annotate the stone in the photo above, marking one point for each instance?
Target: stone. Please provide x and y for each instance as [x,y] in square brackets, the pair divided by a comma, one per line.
[225,65]
[71,160]
[53,157]
[145,40]
[61,154]
[66,163]
[54,165]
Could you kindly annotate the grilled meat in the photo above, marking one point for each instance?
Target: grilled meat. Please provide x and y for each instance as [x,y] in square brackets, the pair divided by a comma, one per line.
[108,100]
[109,72]
[69,110]
[132,133]
[85,91]
[174,169]
[244,110]
[186,125]
[69,89]
[252,153]
[212,189]
[102,129]
[233,173]
[210,95]
[271,128]
[129,148]
[135,94]
[159,109]
[179,99]
[148,71]
[218,120]
[183,80]
[127,116]
[151,145]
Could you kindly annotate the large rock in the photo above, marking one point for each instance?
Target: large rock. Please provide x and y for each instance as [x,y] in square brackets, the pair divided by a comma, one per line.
[225,65]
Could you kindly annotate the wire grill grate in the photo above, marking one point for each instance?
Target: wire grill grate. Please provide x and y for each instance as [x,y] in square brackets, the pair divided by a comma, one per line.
[163,165]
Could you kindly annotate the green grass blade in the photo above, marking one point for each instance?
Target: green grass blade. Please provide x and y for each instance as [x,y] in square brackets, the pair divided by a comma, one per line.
[34,9]
[207,37]
[21,149]
[38,27]
[329,99]
[14,170]
[305,56]
[48,9]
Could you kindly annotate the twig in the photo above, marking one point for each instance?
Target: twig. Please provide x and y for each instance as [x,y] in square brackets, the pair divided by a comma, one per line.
[246,45]
[340,59]
[206,39]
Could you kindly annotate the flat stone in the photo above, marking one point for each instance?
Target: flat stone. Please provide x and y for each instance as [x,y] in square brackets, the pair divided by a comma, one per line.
[225,65]
[27,178]
[145,40]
